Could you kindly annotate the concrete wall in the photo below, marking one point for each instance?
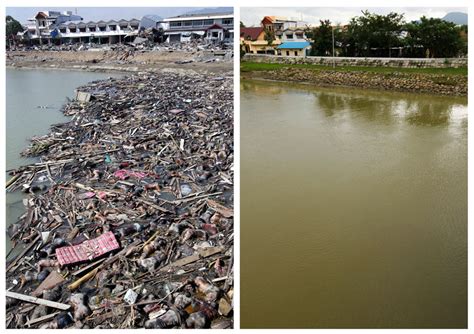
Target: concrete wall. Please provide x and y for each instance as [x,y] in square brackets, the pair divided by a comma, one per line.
[354,61]
[291,52]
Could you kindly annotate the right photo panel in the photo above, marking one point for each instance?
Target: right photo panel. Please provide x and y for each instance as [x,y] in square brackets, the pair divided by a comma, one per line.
[354,127]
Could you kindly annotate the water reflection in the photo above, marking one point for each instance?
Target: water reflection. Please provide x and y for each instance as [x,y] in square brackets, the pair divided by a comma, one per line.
[379,106]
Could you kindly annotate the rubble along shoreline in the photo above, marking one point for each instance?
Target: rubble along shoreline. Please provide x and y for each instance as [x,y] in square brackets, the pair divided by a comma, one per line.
[120,60]
[129,214]
[401,82]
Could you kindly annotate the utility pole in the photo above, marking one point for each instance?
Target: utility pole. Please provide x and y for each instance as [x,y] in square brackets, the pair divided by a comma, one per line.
[333,59]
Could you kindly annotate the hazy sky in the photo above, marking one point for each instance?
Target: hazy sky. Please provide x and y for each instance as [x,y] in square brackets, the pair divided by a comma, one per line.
[21,14]
[253,16]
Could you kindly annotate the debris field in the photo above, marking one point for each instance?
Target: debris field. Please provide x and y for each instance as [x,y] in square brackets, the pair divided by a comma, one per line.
[128,217]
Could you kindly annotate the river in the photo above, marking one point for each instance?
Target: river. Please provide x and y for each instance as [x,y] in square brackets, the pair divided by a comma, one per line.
[353,208]
[33,102]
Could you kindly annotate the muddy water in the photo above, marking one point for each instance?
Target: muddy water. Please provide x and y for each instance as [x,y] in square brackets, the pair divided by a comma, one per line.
[33,102]
[353,208]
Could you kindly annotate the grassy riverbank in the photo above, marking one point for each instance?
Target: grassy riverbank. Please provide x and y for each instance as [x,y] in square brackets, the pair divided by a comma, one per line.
[251,66]
[439,81]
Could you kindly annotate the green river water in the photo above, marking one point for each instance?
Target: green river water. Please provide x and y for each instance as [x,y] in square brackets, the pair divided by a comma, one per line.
[353,208]
[33,102]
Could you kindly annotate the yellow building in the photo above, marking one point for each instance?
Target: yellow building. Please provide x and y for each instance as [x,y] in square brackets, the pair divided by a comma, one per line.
[290,38]
[252,40]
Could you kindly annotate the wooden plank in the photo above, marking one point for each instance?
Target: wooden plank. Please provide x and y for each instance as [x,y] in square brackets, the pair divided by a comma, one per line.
[74,285]
[202,253]
[89,266]
[53,280]
[224,211]
[43,318]
[13,263]
[39,301]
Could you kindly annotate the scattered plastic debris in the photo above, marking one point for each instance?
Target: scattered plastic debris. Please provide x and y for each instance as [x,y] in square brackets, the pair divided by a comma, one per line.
[137,190]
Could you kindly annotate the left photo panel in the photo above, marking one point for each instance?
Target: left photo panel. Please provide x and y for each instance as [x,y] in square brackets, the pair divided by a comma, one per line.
[119,167]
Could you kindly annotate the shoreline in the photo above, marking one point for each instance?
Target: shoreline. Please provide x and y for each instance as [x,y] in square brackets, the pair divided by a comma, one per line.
[328,86]
[107,61]
[439,85]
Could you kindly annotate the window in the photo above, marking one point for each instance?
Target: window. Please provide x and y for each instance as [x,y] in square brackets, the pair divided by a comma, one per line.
[62,30]
[175,24]
[289,36]
[227,21]
[208,22]
[82,29]
[215,34]
[187,23]
[197,23]
[296,53]
[287,53]
[113,27]
[72,29]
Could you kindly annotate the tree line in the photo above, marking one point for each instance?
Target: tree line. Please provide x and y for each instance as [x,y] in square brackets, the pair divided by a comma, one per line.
[374,35]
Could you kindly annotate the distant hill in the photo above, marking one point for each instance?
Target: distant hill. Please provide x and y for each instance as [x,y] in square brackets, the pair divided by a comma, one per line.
[456,17]
[212,10]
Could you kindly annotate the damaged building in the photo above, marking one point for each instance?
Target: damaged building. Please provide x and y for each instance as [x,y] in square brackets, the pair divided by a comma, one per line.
[54,27]
[211,27]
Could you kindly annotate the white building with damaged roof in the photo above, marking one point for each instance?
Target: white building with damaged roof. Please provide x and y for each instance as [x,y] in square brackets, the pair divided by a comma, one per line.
[215,27]
[65,27]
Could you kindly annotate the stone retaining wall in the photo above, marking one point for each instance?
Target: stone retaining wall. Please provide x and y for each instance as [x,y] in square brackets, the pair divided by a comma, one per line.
[356,61]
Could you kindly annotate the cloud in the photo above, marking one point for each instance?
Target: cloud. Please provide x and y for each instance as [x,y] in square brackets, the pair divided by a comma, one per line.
[252,16]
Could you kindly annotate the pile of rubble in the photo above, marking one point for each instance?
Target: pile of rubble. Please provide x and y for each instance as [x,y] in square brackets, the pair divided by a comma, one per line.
[138,44]
[140,52]
[129,212]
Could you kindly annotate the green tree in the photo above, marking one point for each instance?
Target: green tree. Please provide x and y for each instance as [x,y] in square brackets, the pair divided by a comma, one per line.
[344,42]
[12,28]
[269,36]
[242,25]
[374,34]
[322,39]
[435,37]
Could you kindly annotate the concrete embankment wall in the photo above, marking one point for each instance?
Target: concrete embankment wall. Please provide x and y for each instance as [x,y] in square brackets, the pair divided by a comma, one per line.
[356,61]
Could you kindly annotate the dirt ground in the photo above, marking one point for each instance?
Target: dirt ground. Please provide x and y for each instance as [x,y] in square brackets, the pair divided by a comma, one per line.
[127,61]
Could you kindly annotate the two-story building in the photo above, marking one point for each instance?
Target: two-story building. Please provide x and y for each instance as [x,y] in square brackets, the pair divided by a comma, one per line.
[111,31]
[40,26]
[252,40]
[215,27]
[65,27]
[289,37]
[293,42]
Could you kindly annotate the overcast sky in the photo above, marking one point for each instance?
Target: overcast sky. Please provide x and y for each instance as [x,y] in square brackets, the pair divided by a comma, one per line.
[21,14]
[312,15]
